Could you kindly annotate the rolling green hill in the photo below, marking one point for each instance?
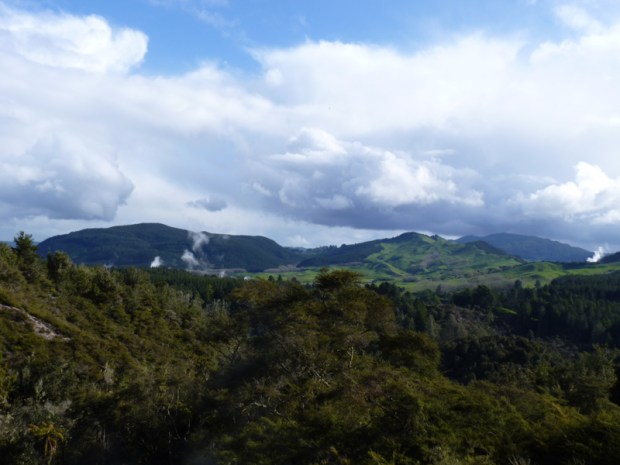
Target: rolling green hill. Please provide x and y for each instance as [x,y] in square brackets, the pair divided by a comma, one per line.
[403,257]
[412,260]
[532,248]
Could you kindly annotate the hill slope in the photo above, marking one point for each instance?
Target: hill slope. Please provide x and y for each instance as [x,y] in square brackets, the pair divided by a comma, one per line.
[406,258]
[611,258]
[412,254]
[532,248]
[139,244]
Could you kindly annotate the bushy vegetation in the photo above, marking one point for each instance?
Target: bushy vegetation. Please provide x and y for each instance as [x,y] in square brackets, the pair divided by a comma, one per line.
[107,366]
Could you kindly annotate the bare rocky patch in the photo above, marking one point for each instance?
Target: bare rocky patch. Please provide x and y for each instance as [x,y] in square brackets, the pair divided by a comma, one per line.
[40,328]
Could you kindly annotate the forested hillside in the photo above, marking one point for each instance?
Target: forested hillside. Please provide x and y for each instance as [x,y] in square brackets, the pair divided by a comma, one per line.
[140,244]
[113,366]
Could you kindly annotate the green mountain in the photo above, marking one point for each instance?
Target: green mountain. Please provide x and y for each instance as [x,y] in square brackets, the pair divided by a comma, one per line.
[532,248]
[405,257]
[140,244]
[411,260]
[413,256]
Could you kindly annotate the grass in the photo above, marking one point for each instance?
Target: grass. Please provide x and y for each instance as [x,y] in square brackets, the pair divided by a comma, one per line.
[501,276]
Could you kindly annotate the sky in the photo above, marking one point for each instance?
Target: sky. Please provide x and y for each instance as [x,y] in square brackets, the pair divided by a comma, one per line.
[312,122]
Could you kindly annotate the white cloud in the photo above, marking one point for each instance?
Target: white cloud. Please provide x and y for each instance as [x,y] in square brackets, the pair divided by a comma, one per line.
[577,18]
[440,138]
[401,181]
[593,196]
[62,178]
[66,41]
[358,89]
[312,146]
[321,174]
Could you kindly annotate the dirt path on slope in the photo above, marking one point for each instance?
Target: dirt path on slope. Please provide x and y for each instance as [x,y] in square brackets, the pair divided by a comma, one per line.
[41,328]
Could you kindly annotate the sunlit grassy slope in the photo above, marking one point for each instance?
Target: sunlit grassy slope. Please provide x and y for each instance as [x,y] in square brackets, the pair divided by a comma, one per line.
[413,260]
[529,274]
[418,262]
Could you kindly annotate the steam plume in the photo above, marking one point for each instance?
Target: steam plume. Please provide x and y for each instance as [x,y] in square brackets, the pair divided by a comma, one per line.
[598,254]
[198,240]
[189,258]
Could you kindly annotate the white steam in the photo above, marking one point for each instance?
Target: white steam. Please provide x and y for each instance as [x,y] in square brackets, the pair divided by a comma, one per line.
[198,240]
[189,258]
[157,262]
[598,254]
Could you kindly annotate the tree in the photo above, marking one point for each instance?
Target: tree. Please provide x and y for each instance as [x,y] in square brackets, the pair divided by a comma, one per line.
[57,265]
[51,436]
[27,257]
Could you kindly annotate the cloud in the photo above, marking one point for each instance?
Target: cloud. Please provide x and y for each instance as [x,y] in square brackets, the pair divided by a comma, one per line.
[577,18]
[401,181]
[204,10]
[212,204]
[457,136]
[157,262]
[61,178]
[336,202]
[391,90]
[66,41]
[320,177]
[593,196]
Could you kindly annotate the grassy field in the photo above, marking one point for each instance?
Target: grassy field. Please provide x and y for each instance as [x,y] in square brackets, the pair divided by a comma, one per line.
[503,275]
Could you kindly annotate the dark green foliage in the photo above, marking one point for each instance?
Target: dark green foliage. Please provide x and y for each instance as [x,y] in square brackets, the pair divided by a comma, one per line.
[480,297]
[582,309]
[108,366]
[343,254]
[205,287]
[27,258]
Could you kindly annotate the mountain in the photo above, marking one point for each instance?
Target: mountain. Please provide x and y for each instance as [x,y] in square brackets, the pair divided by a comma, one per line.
[412,256]
[532,248]
[408,257]
[611,258]
[140,244]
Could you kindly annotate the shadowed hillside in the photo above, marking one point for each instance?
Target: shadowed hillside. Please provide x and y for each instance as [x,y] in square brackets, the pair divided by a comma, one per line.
[532,248]
[138,245]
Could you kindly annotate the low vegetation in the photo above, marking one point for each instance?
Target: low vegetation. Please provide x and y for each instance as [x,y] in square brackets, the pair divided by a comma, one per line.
[166,367]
